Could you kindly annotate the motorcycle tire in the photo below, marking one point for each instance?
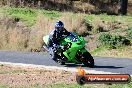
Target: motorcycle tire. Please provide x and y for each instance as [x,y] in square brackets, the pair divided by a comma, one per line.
[88,60]
[60,62]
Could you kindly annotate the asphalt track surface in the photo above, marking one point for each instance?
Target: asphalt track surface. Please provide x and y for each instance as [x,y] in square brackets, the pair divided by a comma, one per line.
[114,65]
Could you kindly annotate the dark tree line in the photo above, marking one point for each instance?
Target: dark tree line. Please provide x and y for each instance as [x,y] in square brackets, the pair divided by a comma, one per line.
[122,3]
[61,5]
[123,9]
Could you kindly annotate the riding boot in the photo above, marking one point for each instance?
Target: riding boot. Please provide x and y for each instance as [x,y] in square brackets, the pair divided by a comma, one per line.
[54,57]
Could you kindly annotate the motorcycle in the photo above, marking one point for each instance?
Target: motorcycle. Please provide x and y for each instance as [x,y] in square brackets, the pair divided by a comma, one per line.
[73,50]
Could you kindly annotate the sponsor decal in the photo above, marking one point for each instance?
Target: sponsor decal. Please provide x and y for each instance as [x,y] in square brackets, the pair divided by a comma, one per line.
[82,78]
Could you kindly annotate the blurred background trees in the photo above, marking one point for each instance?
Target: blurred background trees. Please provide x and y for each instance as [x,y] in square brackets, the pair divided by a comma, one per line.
[123,9]
[86,6]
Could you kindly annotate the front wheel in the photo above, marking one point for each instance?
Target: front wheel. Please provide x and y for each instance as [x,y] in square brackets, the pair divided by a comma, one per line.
[88,60]
[60,62]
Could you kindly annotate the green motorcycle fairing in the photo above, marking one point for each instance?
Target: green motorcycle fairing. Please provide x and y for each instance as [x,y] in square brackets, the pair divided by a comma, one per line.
[77,44]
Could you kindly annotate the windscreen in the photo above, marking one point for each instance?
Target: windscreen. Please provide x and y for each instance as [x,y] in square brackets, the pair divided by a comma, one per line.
[73,37]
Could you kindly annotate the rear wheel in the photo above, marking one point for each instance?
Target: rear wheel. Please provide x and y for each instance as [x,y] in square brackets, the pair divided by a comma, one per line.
[88,60]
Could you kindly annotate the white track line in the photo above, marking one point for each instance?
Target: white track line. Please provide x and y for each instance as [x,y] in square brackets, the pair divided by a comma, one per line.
[55,68]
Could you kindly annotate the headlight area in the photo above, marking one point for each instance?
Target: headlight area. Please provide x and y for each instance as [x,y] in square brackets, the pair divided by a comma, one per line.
[74,39]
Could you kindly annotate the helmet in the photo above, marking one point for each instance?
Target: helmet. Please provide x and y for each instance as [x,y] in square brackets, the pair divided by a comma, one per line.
[59,24]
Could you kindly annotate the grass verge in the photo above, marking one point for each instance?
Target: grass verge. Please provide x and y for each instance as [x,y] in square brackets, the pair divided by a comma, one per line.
[72,85]
[122,52]
[28,77]
[34,77]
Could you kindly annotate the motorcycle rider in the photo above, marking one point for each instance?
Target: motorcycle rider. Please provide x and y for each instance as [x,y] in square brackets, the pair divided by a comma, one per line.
[55,36]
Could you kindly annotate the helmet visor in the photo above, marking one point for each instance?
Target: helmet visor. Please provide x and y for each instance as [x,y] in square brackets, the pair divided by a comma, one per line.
[59,28]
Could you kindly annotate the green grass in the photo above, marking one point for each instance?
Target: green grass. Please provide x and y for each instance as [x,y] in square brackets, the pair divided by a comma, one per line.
[51,14]
[29,15]
[1,10]
[97,50]
[129,34]
[89,86]
[67,86]
[109,18]
[71,85]
[120,52]
[4,86]
[25,14]
[8,86]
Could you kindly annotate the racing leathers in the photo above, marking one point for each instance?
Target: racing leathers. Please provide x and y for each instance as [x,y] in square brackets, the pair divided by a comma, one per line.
[55,36]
